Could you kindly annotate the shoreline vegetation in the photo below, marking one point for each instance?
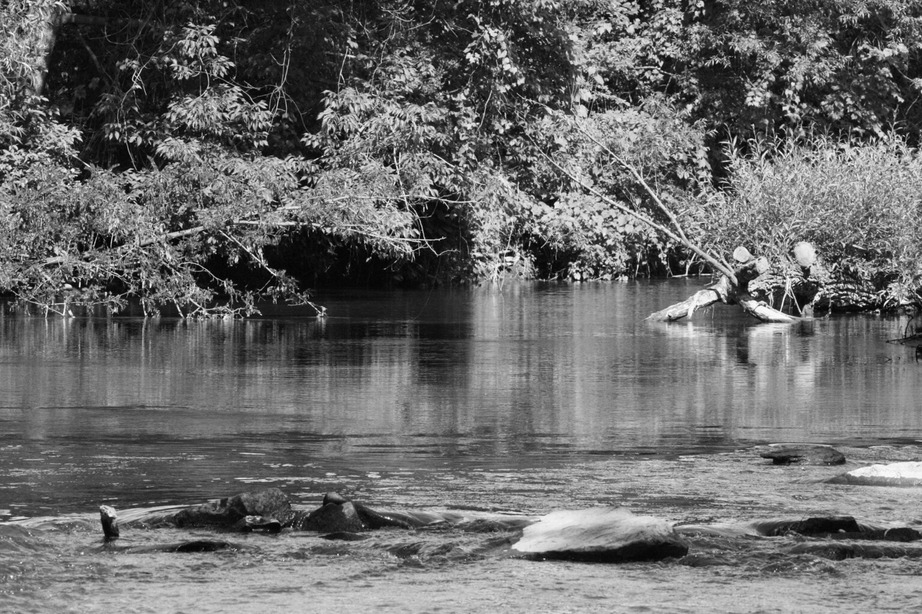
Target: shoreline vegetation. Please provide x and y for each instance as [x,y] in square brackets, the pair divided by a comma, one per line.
[197,158]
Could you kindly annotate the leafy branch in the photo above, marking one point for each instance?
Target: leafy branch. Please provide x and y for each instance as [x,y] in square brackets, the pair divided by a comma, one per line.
[673,229]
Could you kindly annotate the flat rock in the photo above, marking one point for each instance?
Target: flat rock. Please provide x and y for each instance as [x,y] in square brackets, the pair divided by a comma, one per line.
[817,526]
[804,455]
[825,527]
[605,534]
[893,474]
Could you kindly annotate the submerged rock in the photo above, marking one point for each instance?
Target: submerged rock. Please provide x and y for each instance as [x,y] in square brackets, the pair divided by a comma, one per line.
[199,545]
[607,534]
[841,550]
[704,560]
[832,528]
[345,536]
[109,520]
[835,527]
[804,455]
[893,474]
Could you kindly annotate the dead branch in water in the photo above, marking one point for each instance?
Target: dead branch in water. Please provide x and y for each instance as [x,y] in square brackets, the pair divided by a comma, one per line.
[731,288]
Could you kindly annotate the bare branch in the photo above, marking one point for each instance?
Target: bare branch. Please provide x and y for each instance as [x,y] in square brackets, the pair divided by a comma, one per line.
[162,239]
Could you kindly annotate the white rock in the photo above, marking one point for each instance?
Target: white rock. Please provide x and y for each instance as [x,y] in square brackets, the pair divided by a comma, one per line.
[608,534]
[893,474]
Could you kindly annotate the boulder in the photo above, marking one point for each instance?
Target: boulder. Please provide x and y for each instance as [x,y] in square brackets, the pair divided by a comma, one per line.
[607,534]
[231,512]
[332,517]
[805,455]
[340,515]
[893,474]
[818,526]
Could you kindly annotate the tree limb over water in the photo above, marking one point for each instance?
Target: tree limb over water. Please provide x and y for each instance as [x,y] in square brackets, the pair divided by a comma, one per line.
[733,286]
[670,227]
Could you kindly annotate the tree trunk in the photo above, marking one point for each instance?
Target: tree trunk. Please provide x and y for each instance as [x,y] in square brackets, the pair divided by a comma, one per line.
[43,20]
[50,17]
[726,291]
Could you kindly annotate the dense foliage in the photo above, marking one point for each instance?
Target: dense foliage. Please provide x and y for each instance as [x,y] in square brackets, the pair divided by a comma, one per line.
[861,206]
[205,155]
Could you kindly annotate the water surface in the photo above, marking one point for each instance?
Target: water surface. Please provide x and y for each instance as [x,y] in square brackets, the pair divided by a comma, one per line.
[525,399]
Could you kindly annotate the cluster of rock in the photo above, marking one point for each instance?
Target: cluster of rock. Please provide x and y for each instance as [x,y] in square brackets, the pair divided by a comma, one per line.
[270,511]
[603,534]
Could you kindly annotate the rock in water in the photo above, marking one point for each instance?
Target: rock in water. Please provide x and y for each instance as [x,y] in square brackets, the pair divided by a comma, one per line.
[894,474]
[817,526]
[332,517]
[839,551]
[109,518]
[607,535]
[338,515]
[201,545]
[227,513]
[806,455]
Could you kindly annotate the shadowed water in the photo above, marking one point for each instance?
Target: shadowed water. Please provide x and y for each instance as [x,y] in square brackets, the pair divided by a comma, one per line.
[524,400]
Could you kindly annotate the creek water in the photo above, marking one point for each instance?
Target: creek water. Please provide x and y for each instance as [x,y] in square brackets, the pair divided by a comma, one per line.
[520,400]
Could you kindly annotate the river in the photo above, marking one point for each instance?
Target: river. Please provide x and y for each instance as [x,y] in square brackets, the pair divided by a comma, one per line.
[519,400]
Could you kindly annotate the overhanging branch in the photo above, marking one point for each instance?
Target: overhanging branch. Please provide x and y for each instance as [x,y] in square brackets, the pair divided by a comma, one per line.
[676,232]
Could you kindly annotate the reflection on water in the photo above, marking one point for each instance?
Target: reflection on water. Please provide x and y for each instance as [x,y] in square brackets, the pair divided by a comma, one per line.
[573,364]
[401,378]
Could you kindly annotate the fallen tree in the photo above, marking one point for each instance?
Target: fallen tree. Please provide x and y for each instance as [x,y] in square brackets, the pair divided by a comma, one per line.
[736,292]
[855,201]
[732,287]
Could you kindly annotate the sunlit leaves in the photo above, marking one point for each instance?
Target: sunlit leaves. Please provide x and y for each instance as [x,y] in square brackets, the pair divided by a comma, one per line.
[858,204]
[383,128]
[156,236]
[583,157]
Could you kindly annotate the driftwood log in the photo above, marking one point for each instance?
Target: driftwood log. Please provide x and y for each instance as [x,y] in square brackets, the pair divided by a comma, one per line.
[735,290]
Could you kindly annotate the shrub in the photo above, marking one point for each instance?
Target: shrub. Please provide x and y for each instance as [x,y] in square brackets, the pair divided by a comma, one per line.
[859,204]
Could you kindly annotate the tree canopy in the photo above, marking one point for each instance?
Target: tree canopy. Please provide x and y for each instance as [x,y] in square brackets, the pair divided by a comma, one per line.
[203,156]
